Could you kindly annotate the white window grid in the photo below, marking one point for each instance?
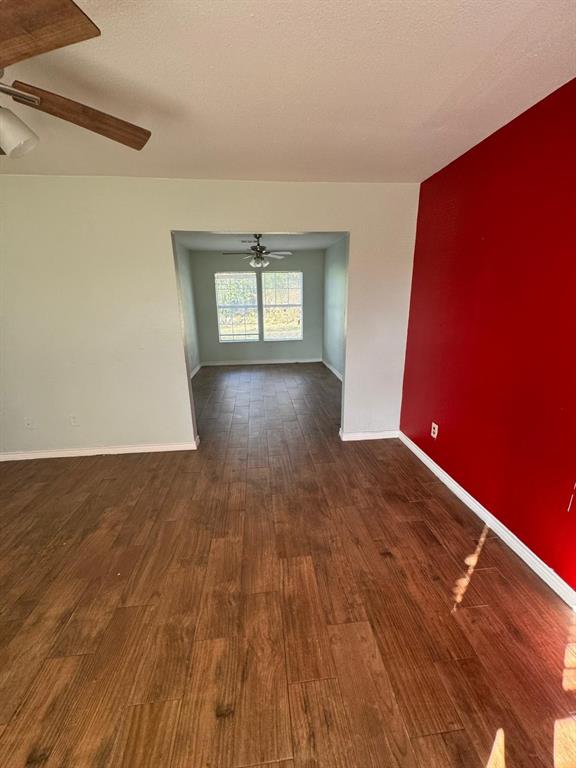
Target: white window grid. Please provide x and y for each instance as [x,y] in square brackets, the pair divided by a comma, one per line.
[222,281]
[283,305]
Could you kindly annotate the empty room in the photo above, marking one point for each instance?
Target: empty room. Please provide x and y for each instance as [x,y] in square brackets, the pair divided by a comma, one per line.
[287,384]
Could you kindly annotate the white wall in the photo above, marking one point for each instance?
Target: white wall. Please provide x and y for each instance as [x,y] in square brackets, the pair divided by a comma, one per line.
[309,348]
[90,318]
[335,278]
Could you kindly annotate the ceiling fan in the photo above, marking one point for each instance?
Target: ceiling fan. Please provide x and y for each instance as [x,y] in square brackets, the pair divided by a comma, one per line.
[258,254]
[31,27]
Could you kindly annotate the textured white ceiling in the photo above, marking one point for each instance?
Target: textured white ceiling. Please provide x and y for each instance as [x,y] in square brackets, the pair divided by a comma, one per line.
[346,90]
[220,241]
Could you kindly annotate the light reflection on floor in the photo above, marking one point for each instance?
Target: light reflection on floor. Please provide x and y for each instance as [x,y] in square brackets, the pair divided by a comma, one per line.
[497,757]
[569,673]
[471,561]
[564,745]
[565,728]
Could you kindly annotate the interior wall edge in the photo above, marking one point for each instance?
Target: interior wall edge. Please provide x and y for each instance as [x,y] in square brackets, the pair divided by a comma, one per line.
[538,566]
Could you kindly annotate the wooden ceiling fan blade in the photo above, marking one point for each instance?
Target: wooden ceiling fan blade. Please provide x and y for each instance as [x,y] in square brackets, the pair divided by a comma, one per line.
[86,117]
[31,27]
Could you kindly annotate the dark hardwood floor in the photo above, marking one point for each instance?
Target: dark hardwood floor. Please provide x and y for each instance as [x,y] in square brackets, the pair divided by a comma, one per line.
[275,599]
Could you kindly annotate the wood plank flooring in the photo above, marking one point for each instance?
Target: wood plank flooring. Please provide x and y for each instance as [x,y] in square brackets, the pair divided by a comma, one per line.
[276,599]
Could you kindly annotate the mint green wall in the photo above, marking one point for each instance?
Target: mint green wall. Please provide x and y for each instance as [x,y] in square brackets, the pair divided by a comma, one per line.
[203,268]
[187,308]
[335,285]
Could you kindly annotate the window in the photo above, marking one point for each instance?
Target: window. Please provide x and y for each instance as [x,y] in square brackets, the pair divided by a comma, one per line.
[282,305]
[237,306]
[240,313]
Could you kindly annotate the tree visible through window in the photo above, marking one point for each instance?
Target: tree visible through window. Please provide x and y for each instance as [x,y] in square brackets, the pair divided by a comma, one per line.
[282,305]
[237,306]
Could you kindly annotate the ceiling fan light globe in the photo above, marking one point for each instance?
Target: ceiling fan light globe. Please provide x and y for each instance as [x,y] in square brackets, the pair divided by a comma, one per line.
[16,139]
[255,263]
[265,262]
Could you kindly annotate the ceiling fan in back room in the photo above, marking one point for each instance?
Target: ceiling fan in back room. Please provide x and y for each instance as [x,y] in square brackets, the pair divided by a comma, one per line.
[258,254]
[29,28]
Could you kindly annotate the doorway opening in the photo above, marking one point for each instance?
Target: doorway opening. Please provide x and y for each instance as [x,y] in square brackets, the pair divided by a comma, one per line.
[263,319]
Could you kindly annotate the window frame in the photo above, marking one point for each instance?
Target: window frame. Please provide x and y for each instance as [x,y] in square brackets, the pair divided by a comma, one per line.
[259,306]
[256,306]
[300,305]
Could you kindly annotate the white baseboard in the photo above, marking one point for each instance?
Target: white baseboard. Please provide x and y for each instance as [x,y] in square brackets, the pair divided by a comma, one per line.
[60,453]
[345,436]
[334,371]
[259,362]
[550,577]
[195,371]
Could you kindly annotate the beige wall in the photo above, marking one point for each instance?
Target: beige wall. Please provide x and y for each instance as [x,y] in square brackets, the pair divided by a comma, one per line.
[90,317]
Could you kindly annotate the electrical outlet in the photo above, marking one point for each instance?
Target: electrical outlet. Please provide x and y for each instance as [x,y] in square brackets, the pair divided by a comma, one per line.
[28,422]
[434,430]
[74,421]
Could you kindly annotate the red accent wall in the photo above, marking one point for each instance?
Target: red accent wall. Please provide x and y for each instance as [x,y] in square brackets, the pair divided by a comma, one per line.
[491,353]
